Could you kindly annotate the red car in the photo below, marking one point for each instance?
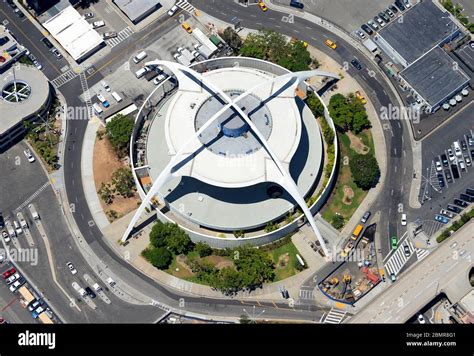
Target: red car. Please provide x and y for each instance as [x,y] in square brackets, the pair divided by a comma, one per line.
[8,273]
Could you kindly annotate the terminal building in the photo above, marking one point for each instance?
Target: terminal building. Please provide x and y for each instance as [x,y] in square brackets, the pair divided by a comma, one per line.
[414,43]
[26,96]
[224,177]
[10,49]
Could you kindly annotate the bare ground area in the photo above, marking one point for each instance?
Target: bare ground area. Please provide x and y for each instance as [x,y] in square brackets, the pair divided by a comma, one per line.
[357,144]
[105,163]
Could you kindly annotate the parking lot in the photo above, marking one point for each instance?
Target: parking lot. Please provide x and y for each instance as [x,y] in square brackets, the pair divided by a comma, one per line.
[348,15]
[124,79]
[447,170]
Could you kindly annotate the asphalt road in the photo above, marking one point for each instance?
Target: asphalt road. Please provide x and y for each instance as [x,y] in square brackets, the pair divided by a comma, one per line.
[28,35]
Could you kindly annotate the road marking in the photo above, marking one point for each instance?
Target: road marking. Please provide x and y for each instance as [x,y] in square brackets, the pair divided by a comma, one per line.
[33,196]
[64,78]
[186,6]
[335,316]
[421,253]
[121,36]
[398,260]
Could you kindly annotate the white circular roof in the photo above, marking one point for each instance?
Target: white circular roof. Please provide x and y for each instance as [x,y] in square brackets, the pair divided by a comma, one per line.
[235,157]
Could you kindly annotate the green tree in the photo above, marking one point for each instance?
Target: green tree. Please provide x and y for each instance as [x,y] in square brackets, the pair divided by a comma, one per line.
[203,249]
[232,38]
[106,193]
[228,281]
[338,221]
[255,266]
[315,105]
[360,122]
[170,236]
[340,112]
[123,182]
[179,242]
[118,131]
[365,171]
[159,257]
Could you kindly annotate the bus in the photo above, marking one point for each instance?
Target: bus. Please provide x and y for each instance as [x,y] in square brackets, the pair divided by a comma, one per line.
[357,232]
[26,295]
[45,319]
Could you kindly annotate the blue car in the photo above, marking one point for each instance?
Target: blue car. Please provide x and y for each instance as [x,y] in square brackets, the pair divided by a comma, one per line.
[442,219]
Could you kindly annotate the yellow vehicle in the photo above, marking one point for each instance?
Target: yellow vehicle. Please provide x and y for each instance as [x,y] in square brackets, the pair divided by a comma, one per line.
[357,232]
[295,40]
[186,26]
[361,97]
[45,319]
[330,44]
[262,6]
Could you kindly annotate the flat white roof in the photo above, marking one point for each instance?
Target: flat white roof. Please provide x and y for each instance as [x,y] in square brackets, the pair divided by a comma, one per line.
[74,33]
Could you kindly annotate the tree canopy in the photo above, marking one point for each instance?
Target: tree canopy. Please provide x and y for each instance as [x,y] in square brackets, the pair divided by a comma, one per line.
[118,131]
[274,47]
[365,171]
[170,236]
[348,113]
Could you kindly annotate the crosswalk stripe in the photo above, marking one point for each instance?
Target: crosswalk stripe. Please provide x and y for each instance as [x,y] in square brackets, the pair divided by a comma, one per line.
[306,294]
[33,196]
[334,316]
[121,36]
[421,254]
[396,262]
[186,6]
[64,78]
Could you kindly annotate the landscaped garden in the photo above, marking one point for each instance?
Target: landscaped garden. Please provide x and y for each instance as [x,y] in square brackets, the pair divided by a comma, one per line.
[227,270]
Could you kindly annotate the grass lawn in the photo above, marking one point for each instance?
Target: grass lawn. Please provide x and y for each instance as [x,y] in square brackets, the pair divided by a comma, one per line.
[336,202]
[288,270]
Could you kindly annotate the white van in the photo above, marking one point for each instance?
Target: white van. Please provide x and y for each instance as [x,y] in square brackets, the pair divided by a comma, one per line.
[140,56]
[97,108]
[116,97]
[457,149]
[141,72]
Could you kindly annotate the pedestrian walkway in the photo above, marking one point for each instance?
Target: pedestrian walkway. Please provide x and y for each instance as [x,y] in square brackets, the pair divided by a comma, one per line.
[87,95]
[335,316]
[421,254]
[121,36]
[306,294]
[398,260]
[33,196]
[64,78]
[186,6]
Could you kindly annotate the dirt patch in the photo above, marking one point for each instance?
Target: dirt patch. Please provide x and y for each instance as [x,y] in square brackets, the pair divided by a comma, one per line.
[105,164]
[283,261]
[348,195]
[357,144]
[219,262]
[181,261]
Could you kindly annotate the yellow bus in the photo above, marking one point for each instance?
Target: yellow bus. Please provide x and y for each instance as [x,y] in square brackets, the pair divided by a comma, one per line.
[45,319]
[357,232]
[26,295]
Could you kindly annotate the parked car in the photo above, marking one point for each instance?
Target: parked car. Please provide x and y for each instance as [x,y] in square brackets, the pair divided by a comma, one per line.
[90,292]
[379,21]
[104,102]
[449,178]
[71,268]
[384,16]
[446,213]
[28,155]
[441,180]
[389,13]
[393,8]
[12,278]
[451,155]
[38,65]
[441,219]
[360,34]
[367,29]
[467,159]
[366,217]
[47,43]
[400,6]
[33,305]
[17,284]
[444,160]
[105,85]
[5,236]
[454,208]
[373,25]
[393,278]
[56,53]
[439,167]
[8,273]
[407,3]
[88,15]
[460,202]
